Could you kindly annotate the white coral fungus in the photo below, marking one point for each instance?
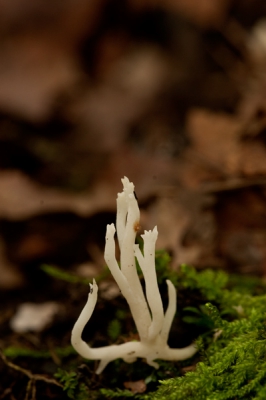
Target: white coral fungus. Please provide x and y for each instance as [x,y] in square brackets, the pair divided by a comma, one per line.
[152,323]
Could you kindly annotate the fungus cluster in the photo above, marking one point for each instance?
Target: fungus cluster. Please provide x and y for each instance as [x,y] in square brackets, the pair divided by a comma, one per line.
[152,323]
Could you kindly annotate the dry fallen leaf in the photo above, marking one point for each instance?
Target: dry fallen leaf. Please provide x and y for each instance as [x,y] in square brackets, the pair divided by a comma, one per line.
[32,74]
[105,112]
[253,158]
[136,387]
[21,197]
[38,61]
[215,139]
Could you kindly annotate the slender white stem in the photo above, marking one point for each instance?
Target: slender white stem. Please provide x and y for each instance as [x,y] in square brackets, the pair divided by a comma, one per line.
[170,312]
[128,229]
[109,256]
[147,264]
[134,301]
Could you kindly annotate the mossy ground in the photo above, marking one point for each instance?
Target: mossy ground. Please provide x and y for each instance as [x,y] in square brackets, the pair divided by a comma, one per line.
[224,314]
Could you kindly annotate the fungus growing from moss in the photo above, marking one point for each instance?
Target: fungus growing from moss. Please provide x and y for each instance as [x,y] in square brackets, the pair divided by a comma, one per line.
[152,323]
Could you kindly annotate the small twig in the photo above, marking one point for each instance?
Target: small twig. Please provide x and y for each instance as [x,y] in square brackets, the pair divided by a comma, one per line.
[33,378]
[6,392]
[29,390]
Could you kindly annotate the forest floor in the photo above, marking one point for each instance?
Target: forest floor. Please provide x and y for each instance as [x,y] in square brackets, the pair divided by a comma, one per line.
[170,94]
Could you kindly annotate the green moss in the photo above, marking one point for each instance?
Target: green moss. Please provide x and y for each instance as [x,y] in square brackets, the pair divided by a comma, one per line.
[114,329]
[233,361]
[14,352]
[62,275]
[72,385]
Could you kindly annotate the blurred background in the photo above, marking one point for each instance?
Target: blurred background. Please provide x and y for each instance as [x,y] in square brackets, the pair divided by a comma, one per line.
[170,93]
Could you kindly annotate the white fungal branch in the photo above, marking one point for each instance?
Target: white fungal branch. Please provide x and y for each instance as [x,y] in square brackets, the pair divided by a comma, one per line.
[152,324]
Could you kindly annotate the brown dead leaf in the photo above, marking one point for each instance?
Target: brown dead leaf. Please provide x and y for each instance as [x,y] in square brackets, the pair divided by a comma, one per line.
[190,368]
[253,158]
[218,151]
[38,60]
[107,110]
[184,230]
[172,220]
[32,73]
[21,197]
[215,140]
[136,387]
[149,174]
